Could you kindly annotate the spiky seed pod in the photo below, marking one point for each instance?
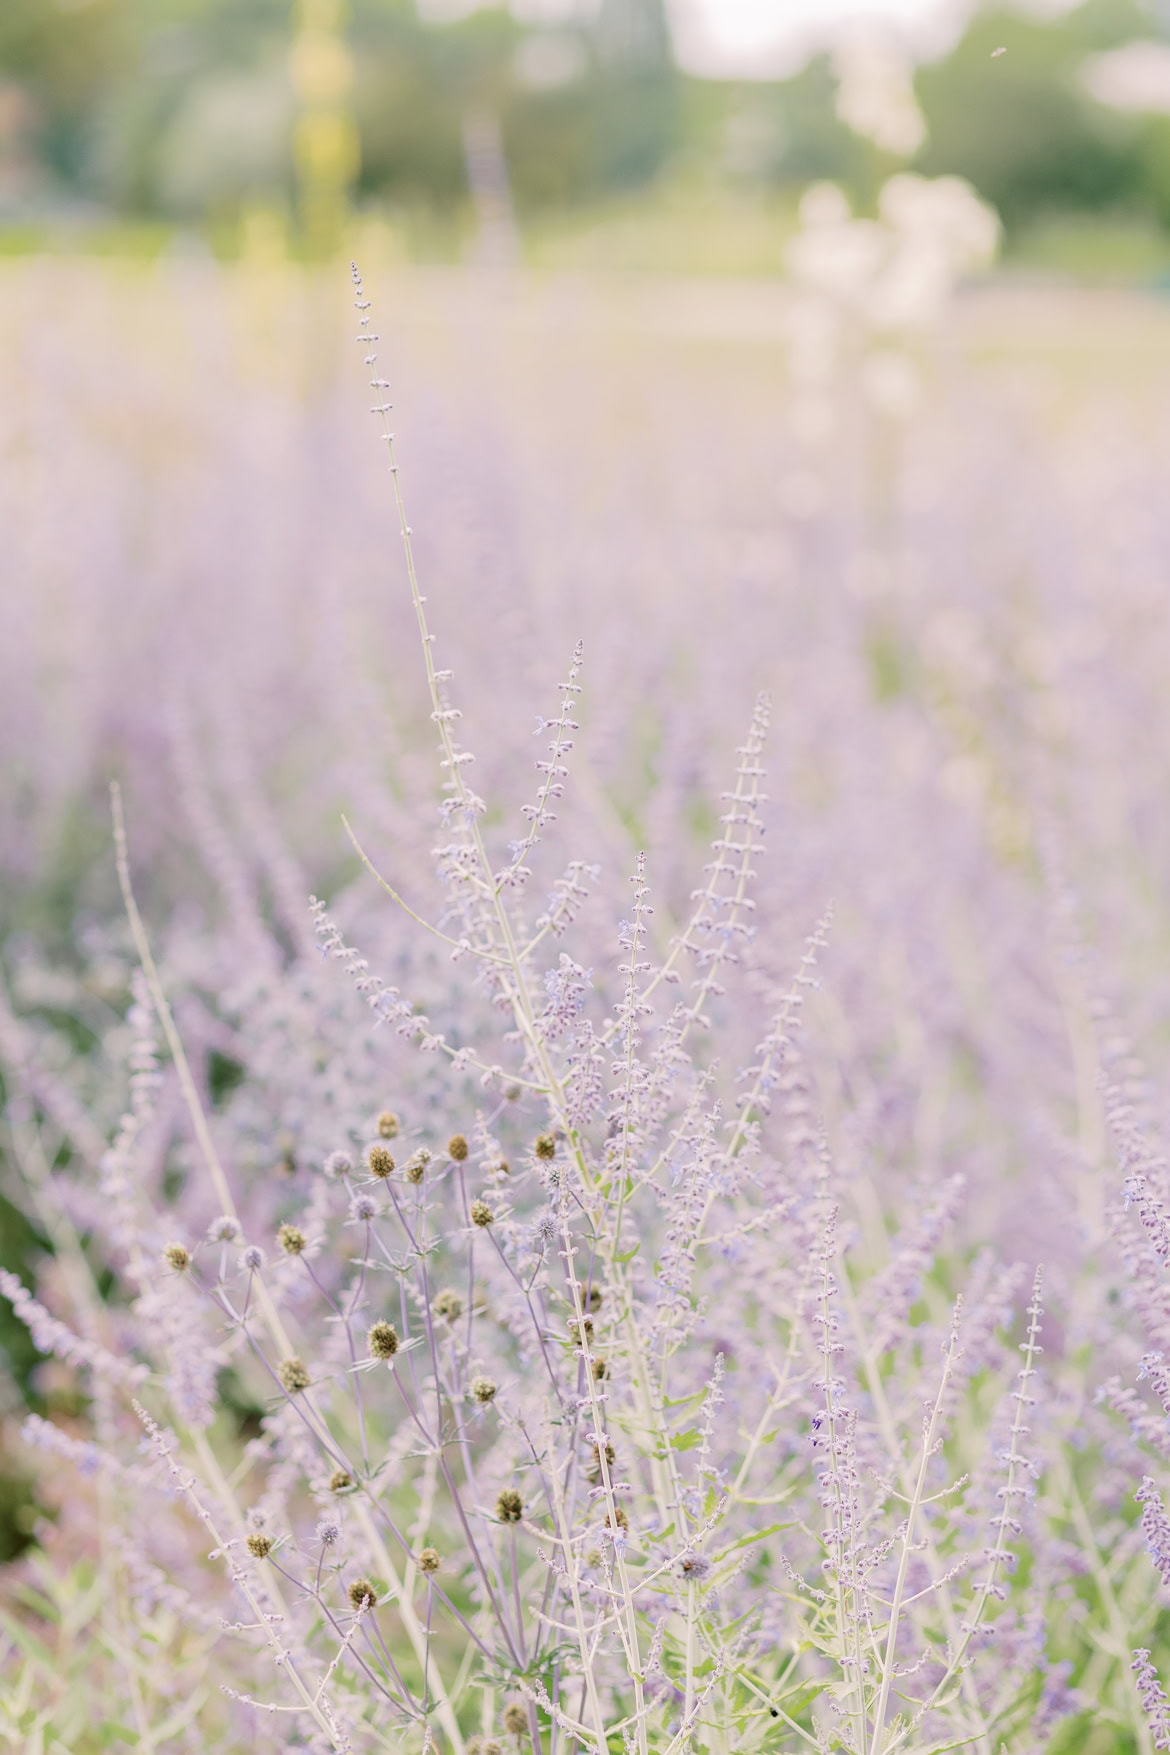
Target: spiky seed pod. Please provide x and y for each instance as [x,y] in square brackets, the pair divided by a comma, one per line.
[259,1546]
[291,1240]
[515,1719]
[622,1521]
[509,1506]
[382,1340]
[600,1370]
[380,1162]
[595,1461]
[362,1594]
[457,1148]
[448,1304]
[340,1481]
[545,1147]
[429,1560]
[293,1374]
[483,1389]
[416,1165]
[481,1214]
[388,1125]
[178,1256]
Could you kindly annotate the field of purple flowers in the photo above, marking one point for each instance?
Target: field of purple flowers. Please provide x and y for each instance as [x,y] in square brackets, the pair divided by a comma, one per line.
[588,1117]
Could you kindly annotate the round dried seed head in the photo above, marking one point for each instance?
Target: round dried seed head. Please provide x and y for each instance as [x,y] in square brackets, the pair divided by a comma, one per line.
[593,1301]
[481,1214]
[449,1304]
[515,1719]
[491,1747]
[509,1506]
[291,1239]
[595,1458]
[259,1546]
[581,1329]
[416,1165]
[545,1147]
[429,1560]
[622,1521]
[600,1370]
[382,1340]
[474,1746]
[340,1481]
[380,1162]
[457,1148]
[483,1389]
[362,1594]
[388,1125]
[293,1374]
[177,1256]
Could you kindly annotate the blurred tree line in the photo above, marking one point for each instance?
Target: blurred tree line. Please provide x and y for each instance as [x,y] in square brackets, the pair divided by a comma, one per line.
[188,109]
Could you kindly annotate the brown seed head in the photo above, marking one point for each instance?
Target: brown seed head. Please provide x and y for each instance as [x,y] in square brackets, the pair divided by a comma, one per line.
[457,1148]
[545,1147]
[593,1301]
[340,1481]
[483,1389]
[429,1560]
[449,1305]
[382,1340]
[509,1506]
[581,1329]
[362,1594]
[481,1214]
[388,1125]
[515,1719]
[416,1165]
[600,1370]
[293,1374]
[595,1459]
[491,1747]
[623,1522]
[380,1162]
[259,1546]
[291,1240]
[178,1256]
